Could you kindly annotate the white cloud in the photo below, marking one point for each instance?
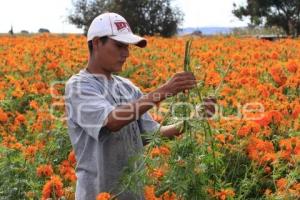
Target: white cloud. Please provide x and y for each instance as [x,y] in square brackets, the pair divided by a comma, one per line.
[202,13]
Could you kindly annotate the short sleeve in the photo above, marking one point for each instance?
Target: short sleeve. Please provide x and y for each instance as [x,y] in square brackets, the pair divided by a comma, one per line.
[147,124]
[87,107]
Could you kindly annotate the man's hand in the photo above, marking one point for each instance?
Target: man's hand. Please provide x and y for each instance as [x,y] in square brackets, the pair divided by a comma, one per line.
[178,83]
[209,106]
[172,130]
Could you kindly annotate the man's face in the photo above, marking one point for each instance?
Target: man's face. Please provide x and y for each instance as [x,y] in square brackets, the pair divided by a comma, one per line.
[111,55]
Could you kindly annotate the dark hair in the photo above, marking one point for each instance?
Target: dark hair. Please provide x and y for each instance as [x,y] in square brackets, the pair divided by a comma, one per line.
[90,43]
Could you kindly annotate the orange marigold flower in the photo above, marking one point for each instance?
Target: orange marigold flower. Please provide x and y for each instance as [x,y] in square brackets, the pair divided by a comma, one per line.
[30,151]
[20,118]
[292,66]
[296,111]
[158,173]
[149,193]
[248,128]
[268,157]
[213,78]
[157,117]
[157,151]
[53,188]
[224,193]
[44,170]
[276,116]
[243,131]
[52,65]
[221,138]
[260,151]
[274,55]
[164,150]
[267,132]
[269,117]
[263,90]
[264,121]
[288,147]
[296,186]
[67,171]
[281,184]
[34,104]
[169,196]
[278,75]
[72,158]
[18,92]
[103,196]
[3,116]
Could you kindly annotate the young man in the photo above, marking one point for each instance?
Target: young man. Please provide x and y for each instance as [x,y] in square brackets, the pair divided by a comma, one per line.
[107,113]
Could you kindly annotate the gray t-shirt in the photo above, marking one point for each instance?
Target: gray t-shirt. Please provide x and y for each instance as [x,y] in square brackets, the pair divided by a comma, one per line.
[101,155]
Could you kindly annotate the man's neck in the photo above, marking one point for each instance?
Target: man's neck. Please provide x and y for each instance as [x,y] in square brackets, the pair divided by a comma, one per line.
[93,69]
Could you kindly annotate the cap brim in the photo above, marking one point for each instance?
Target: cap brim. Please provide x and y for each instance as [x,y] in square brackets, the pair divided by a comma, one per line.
[130,39]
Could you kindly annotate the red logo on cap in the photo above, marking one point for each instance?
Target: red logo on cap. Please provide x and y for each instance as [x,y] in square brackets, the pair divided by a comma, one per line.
[122,25]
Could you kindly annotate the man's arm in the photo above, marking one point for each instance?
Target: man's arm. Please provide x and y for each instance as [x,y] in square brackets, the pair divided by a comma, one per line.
[124,114]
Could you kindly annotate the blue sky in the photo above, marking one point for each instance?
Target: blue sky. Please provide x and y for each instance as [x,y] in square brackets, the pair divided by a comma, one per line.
[31,15]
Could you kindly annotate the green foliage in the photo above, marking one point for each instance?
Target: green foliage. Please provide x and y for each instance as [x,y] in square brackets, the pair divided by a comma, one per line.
[58,144]
[282,13]
[134,175]
[146,17]
[187,173]
[18,174]
[128,72]
[14,175]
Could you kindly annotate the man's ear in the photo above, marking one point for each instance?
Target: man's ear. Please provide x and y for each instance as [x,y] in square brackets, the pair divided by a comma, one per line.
[96,42]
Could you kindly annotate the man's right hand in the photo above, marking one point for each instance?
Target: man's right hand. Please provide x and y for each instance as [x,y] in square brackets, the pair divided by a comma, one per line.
[178,83]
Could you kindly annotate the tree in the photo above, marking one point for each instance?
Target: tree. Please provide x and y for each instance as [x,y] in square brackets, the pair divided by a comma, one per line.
[281,13]
[146,17]
[11,31]
[44,30]
[25,32]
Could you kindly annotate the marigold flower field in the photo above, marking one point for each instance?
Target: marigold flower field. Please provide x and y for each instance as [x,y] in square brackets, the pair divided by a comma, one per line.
[252,150]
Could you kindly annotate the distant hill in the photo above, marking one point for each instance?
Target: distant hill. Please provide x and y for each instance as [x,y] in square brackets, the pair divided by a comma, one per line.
[205,30]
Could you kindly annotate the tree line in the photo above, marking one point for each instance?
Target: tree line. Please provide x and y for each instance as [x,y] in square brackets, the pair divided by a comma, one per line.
[150,17]
[146,17]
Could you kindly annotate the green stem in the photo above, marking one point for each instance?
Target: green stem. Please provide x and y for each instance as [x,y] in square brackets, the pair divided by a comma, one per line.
[187,68]
[222,80]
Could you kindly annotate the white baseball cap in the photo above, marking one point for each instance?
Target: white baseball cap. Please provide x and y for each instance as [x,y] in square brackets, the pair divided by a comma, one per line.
[115,27]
